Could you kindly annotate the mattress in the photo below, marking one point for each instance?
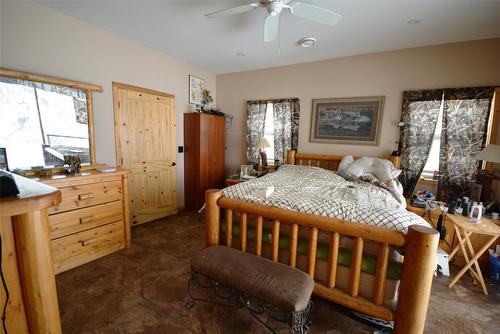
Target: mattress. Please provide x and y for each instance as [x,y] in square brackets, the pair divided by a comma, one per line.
[317,191]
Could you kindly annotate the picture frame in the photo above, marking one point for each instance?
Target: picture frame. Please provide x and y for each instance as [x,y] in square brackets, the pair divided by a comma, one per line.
[196,87]
[246,170]
[352,120]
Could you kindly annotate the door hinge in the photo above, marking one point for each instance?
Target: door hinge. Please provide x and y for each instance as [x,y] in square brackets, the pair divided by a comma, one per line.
[121,159]
[119,104]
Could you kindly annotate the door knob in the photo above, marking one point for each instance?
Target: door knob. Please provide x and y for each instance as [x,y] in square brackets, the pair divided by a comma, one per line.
[173,164]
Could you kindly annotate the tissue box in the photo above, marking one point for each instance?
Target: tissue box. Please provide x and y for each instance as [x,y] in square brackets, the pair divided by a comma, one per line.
[264,192]
[442,265]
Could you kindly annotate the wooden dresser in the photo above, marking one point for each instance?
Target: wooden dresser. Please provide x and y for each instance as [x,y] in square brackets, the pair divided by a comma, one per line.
[92,220]
[204,150]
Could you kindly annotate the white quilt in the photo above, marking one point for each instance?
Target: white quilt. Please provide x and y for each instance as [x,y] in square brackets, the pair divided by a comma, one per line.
[322,192]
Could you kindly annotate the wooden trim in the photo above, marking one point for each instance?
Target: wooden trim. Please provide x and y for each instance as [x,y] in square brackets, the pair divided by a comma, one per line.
[275,240]
[329,161]
[120,85]
[328,224]
[258,236]
[49,80]
[357,257]
[243,233]
[294,237]
[212,217]
[416,281]
[381,273]
[229,228]
[90,125]
[358,303]
[333,255]
[311,252]
[493,125]
[116,122]
[32,235]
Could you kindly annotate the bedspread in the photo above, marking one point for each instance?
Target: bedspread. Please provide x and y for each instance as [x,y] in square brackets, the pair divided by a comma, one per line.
[318,191]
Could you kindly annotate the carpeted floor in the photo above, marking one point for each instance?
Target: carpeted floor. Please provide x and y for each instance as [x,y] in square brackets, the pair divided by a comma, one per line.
[143,290]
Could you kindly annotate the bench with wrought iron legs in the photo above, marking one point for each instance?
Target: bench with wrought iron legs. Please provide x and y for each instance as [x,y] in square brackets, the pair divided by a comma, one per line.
[261,285]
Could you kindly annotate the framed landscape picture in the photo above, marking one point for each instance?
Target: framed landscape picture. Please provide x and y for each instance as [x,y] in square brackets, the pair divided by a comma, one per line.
[196,87]
[353,120]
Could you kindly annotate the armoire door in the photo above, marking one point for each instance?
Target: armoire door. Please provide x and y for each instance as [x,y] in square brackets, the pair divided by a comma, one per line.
[145,144]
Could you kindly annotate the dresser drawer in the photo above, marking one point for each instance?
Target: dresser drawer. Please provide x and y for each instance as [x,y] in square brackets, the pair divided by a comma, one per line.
[86,195]
[62,224]
[82,247]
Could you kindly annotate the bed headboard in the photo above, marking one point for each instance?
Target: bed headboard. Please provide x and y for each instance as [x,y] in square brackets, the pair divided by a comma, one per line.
[330,162]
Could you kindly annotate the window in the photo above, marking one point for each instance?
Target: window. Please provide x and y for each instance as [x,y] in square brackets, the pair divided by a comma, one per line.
[269,132]
[431,168]
[42,123]
[278,122]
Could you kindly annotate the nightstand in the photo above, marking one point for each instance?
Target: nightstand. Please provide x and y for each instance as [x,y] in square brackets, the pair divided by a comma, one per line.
[232,182]
[432,218]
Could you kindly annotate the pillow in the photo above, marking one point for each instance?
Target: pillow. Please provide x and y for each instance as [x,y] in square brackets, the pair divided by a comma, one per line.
[345,163]
[361,166]
[382,169]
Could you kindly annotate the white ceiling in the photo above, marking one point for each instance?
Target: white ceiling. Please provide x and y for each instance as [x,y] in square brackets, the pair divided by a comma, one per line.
[180,29]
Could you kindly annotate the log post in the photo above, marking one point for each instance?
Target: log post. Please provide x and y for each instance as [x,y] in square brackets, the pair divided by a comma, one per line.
[212,217]
[32,236]
[416,280]
[290,157]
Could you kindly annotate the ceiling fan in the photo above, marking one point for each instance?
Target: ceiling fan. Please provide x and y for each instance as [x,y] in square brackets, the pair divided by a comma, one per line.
[275,7]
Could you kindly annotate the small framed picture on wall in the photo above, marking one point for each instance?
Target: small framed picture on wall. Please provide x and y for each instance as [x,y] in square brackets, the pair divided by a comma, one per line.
[196,88]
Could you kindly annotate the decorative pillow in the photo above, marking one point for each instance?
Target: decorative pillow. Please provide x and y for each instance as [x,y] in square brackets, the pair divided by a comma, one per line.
[361,166]
[345,163]
[382,169]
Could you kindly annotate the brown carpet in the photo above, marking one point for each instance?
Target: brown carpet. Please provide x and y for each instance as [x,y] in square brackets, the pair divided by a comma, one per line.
[143,290]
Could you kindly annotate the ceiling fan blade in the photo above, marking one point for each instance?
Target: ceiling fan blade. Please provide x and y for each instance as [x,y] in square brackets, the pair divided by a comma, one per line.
[315,13]
[233,11]
[271,26]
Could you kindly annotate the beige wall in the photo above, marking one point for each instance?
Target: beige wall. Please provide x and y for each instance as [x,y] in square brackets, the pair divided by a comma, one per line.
[388,73]
[37,39]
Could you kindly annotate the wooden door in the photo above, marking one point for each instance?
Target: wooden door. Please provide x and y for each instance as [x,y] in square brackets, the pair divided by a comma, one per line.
[145,144]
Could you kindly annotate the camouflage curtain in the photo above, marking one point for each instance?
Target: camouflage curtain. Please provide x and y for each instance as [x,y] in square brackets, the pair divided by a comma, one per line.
[256,120]
[286,127]
[420,114]
[465,127]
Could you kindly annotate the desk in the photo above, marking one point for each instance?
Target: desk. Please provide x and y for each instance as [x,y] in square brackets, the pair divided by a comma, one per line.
[27,259]
[464,230]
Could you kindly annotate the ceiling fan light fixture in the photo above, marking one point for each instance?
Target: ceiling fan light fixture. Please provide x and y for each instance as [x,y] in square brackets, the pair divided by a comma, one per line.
[306,42]
[274,8]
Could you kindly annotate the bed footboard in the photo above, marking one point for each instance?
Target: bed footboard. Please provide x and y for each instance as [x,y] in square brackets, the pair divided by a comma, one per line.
[420,245]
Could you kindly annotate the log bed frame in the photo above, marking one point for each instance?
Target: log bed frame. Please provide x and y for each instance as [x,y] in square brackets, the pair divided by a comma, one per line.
[419,245]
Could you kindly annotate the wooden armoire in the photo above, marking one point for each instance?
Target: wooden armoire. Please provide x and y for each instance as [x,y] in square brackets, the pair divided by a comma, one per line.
[204,149]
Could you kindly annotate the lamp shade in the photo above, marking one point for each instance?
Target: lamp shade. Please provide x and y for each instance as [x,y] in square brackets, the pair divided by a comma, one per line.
[490,153]
[262,143]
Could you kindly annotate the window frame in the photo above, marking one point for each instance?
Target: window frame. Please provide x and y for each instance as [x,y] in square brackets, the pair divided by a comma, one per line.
[89,90]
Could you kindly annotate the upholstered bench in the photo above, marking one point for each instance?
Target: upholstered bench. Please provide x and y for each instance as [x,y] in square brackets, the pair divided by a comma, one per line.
[261,285]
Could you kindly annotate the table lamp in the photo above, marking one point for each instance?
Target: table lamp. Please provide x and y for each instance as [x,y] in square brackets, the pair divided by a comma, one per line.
[262,143]
[490,153]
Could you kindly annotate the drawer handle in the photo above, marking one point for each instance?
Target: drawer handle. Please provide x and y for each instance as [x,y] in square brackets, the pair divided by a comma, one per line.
[88,242]
[86,220]
[82,197]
